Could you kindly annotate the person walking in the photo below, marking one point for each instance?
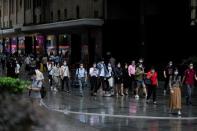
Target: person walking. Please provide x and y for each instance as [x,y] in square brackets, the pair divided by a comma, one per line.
[168,71]
[34,90]
[175,92]
[118,75]
[93,72]
[126,79]
[65,77]
[17,69]
[152,76]
[189,79]
[50,65]
[110,78]
[56,77]
[131,71]
[103,75]
[81,75]
[139,77]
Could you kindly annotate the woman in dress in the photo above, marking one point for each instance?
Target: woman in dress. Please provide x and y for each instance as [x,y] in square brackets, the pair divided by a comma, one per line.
[175,92]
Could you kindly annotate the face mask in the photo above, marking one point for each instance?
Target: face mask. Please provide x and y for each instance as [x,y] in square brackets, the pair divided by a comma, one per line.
[65,64]
[176,72]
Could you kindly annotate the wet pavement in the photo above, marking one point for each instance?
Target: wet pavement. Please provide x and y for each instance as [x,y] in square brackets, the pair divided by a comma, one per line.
[122,113]
[92,113]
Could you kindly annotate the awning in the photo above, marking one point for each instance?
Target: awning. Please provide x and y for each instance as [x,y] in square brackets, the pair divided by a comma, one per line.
[64,25]
[7,31]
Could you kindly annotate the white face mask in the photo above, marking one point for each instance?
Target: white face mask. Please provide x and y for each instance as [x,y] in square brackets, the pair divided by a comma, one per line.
[65,64]
[176,72]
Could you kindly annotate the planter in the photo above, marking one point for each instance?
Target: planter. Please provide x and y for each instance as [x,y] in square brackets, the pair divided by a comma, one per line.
[12,85]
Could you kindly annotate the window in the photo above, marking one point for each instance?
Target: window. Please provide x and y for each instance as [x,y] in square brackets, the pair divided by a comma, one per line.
[77,12]
[58,15]
[96,14]
[65,14]
[51,16]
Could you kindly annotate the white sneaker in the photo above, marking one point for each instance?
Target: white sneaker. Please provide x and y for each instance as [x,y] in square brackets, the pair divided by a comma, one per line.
[55,89]
[136,96]
[154,102]
[179,112]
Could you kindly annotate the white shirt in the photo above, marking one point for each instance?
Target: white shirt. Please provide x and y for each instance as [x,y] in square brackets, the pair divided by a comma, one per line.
[55,71]
[27,60]
[39,75]
[65,71]
[93,71]
[81,72]
[102,70]
[110,70]
[17,68]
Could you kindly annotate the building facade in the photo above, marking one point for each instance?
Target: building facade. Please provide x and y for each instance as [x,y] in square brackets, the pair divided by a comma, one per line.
[72,28]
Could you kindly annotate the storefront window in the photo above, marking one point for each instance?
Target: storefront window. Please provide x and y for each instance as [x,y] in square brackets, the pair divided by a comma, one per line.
[64,46]
[51,44]
[13,45]
[7,45]
[21,45]
[39,44]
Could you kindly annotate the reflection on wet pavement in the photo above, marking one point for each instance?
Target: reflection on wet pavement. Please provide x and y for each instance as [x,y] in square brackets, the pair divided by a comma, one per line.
[122,113]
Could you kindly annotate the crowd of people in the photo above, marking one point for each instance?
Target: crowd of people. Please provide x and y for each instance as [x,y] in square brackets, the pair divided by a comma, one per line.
[113,78]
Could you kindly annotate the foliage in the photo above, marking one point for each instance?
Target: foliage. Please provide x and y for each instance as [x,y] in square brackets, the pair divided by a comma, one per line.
[12,85]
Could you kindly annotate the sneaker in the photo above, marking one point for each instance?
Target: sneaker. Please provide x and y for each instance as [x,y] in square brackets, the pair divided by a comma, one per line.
[155,102]
[136,96]
[107,95]
[179,112]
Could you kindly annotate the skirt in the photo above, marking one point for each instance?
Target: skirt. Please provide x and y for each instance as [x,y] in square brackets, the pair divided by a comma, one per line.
[175,99]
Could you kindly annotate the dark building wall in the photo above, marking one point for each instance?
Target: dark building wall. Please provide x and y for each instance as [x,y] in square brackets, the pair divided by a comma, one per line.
[166,27]
[122,17]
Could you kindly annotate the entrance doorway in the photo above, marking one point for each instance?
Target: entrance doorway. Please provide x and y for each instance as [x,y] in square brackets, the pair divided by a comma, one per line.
[28,45]
[75,48]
